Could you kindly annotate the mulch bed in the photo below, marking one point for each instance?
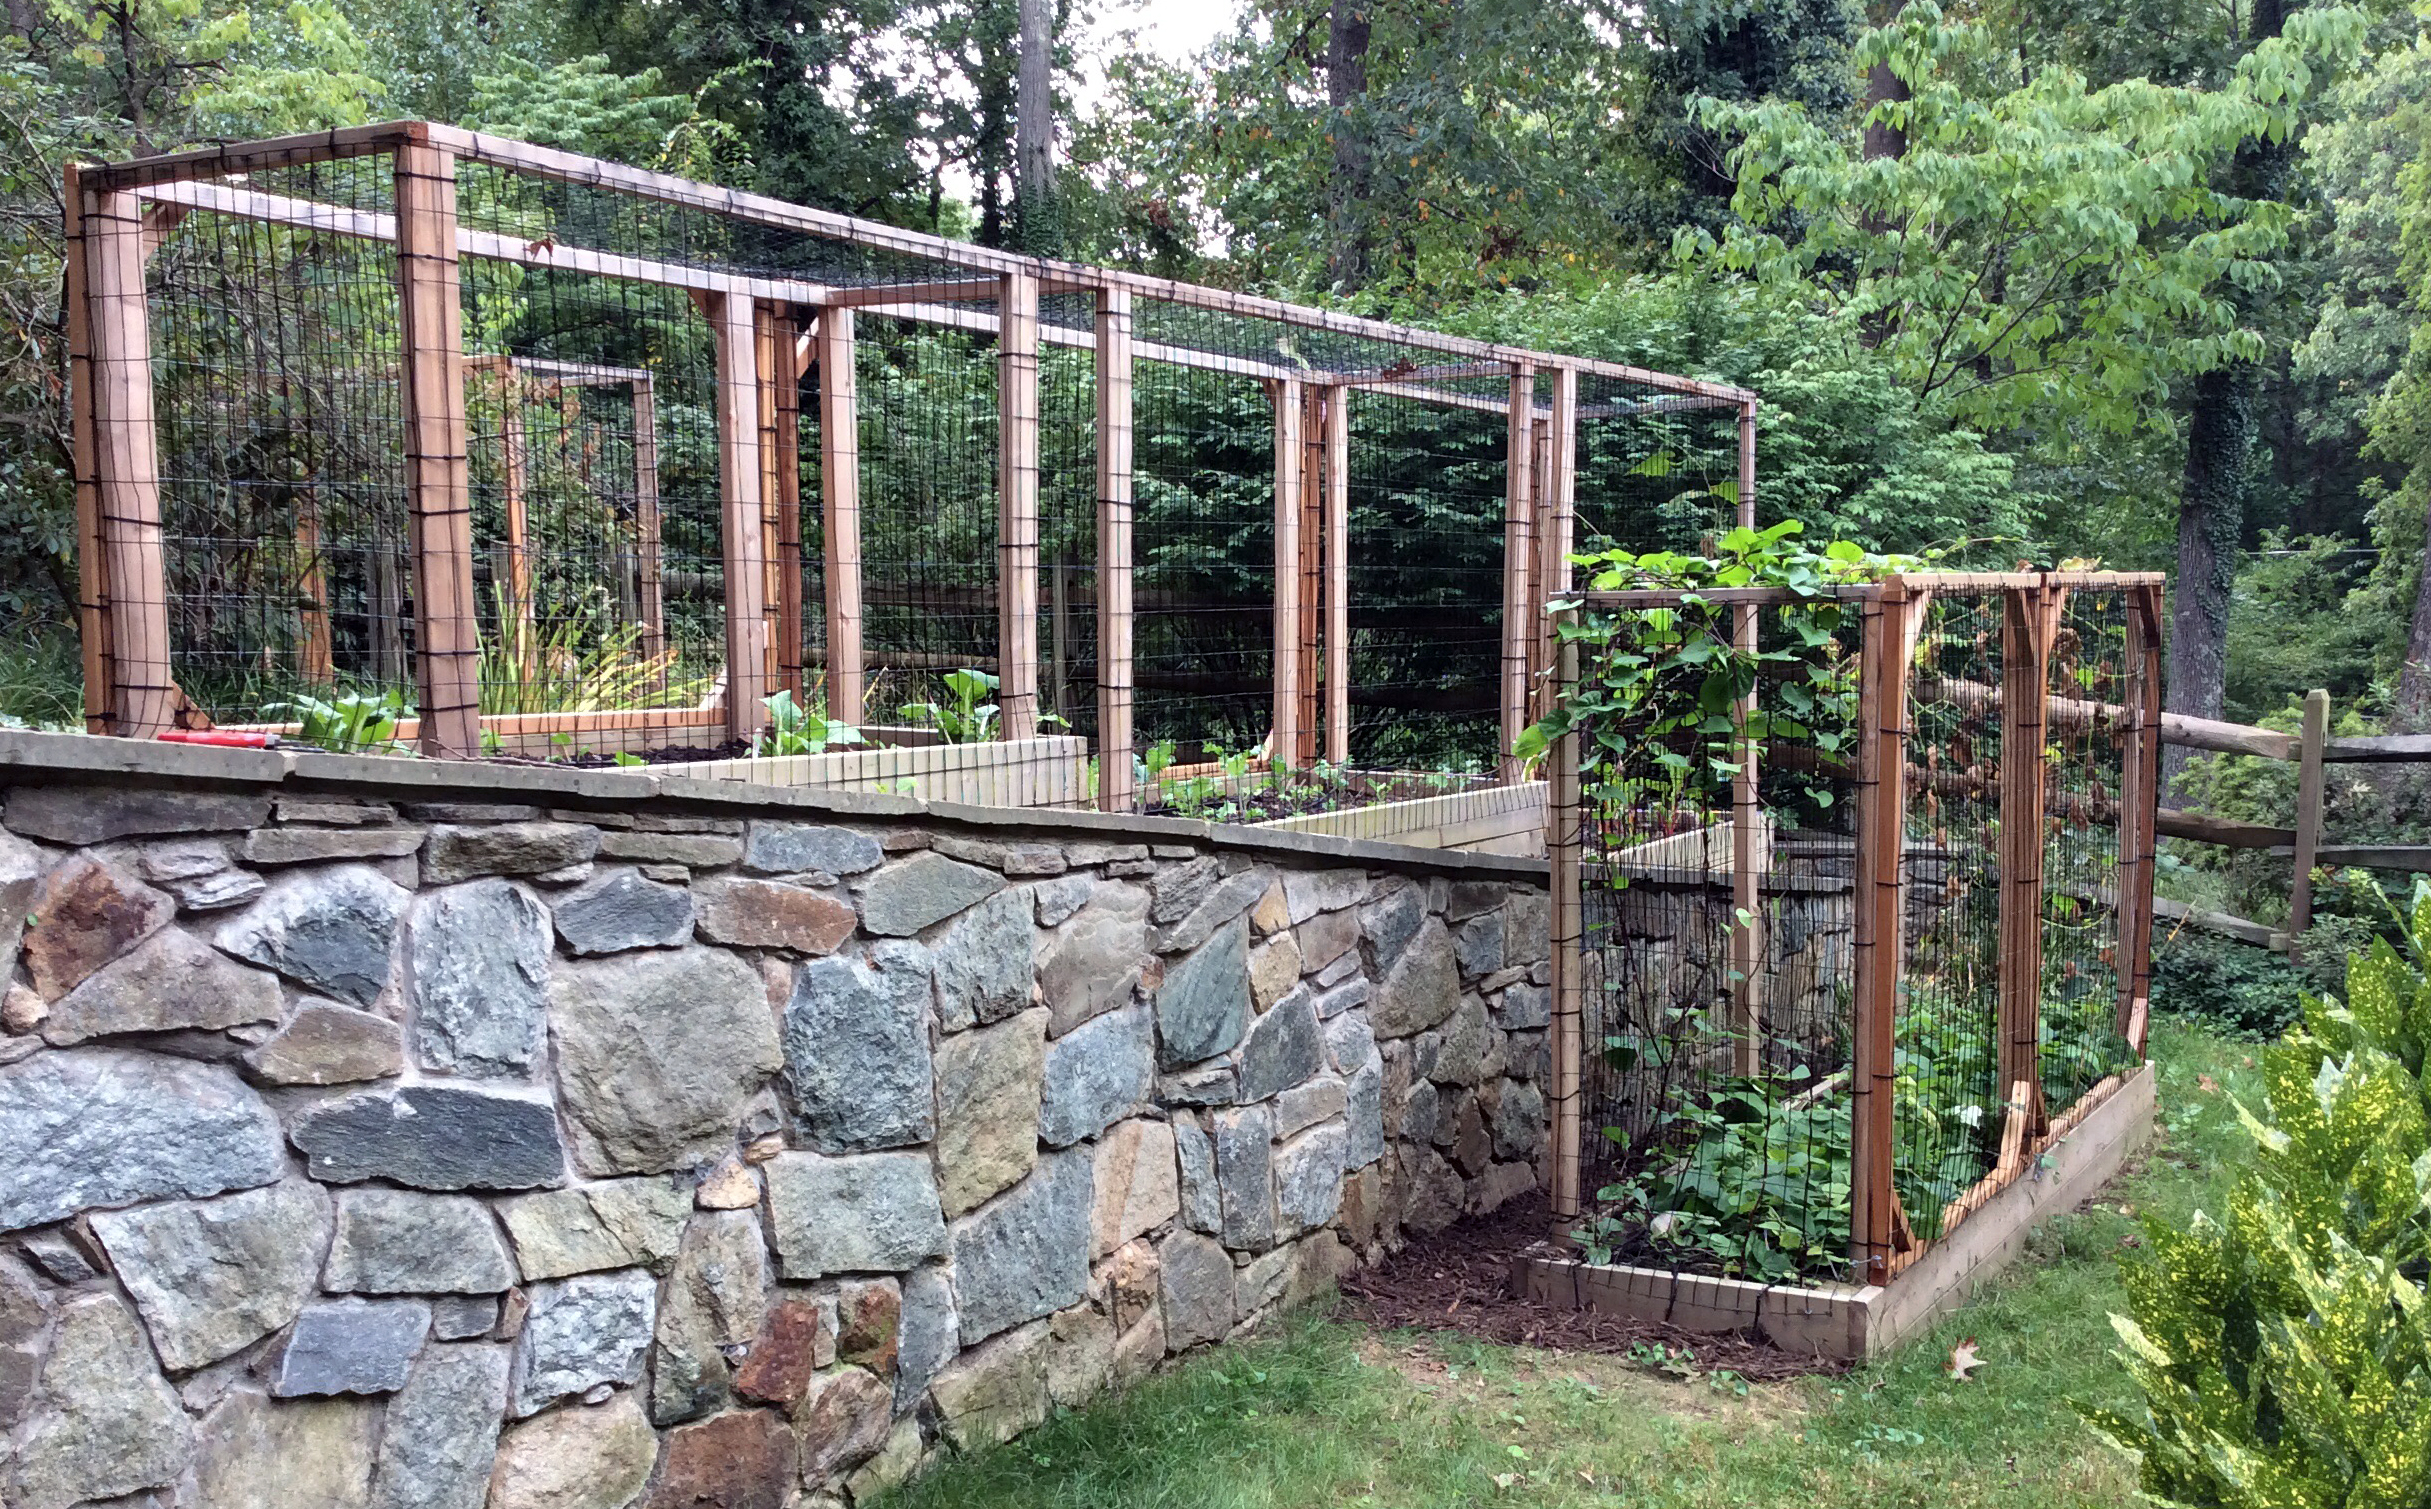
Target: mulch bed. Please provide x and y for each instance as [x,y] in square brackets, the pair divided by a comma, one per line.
[1459,1280]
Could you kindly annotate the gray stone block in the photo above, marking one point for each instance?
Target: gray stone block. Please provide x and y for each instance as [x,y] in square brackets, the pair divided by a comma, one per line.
[1524,1007]
[479,956]
[1284,1048]
[870,1213]
[98,814]
[351,1346]
[930,1335]
[1202,1196]
[657,1055]
[927,888]
[1308,1178]
[580,1332]
[611,1223]
[1478,946]
[432,1137]
[332,930]
[1203,1006]
[1307,893]
[985,962]
[94,1126]
[441,1432]
[1195,1277]
[1421,988]
[172,981]
[101,1422]
[856,1049]
[1026,1255]
[716,1297]
[212,1277]
[456,1317]
[1095,1075]
[1232,896]
[1244,1148]
[791,848]
[619,911]
[1391,921]
[519,848]
[394,1241]
[328,1044]
[1092,962]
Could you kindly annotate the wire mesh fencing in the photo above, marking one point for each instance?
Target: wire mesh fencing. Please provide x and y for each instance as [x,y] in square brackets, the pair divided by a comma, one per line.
[1852,883]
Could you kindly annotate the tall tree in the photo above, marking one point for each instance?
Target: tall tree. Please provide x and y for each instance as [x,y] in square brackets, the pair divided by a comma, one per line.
[1037,224]
[1347,35]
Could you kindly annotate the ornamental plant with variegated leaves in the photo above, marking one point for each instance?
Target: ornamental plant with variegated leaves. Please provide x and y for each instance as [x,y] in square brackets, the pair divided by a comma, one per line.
[2285,1351]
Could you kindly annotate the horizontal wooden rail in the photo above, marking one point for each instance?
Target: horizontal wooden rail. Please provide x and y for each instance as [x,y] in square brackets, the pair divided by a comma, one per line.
[2227,832]
[2412,857]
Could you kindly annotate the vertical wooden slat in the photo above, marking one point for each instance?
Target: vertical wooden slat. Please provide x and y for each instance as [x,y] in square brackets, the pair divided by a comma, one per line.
[313,650]
[1750,851]
[1880,937]
[515,461]
[1017,505]
[1540,566]
[92,557]
[1287,408]
[840,513]
[745,554]
[646,526]
[1568,943]
[1316,404]
[1338,576]
[2026,619]
[2140,800]
[1518,530]
[1114,751]
[437,478]
[771,365]
[785,383]
[1560,491]
[2313,737]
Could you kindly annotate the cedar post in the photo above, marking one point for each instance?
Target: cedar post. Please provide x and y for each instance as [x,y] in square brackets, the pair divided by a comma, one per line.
[1568,940]
[784,383]
[765,361]
[92,558]
[645,517]
[437,479]
[1560,490]
[2028,616]
[515,462]
[745,554]
[1316,409]
[1338,576]
[1882,716]
[1540,568]
[1114,751]
[1285,738]
[1750,846]
[2311,742]
[1017,505]
[840,513]
[313,651]
[1518,528]
[2139,801]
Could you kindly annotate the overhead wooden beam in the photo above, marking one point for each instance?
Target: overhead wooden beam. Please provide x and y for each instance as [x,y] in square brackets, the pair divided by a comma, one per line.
[744,549]
[978,288]
[438,480]
[840,514]
[1017,504]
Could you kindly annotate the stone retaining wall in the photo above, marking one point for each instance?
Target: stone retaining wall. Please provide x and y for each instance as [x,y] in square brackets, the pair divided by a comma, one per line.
[387,1133]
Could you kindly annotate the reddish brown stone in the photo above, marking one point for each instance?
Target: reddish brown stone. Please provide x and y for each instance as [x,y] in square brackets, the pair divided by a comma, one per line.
[794,1342]
[743,1459]
[86,915]
[869,1314]
[766,914]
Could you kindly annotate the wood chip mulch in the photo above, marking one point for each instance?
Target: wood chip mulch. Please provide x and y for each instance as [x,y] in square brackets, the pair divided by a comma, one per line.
[1459,1280]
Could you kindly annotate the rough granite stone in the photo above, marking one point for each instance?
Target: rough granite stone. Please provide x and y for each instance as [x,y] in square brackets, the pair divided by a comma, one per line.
[716,1298]
[927,888]
[456,853]
[1244,1141]
[792,848]
[1136,1188]
[857,1050]
[988,1109]
[441,1434]
[1363,1111]
[1468,1037]
[1308,1178]
[1326,937]
[351,1346]
[871,1213]
[797,1338]
[456,1317]
[212,1277]
[1524,1008]
[1527,928]
[1303,1106]
[432,1137]
[842,1420]
[657,1054]
[1232,896]
[1478,946]
[1026,1255]
[84,914]
[995,1391]
[1179,890]
[98,814]
[590,1329]
[1202,1198]
[929,1336]
[88,1127]
[1055,900]
[575,1459]
[479,957]
[304,846]
[171,981]
[1422,988]
[1391,921]
[869,1323]
[1518,1123]
[743,1459]
[1095,1075]
[1285,1047]
[1307,893]
[1092,962]
[395,1241]
[331,930]
[1196,1277]
[615,1223]
[985,962]
[217,892]
[1211,1084]
[619,911]
[1259,1283]
[706,851]
[749,913]
[328,1044]
[99,1421]
[253,1452]
[1274,967]
[1203,1006]
[1079,1354]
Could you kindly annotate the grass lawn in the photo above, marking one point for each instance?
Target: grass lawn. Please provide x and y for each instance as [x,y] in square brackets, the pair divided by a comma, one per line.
[1326,1413]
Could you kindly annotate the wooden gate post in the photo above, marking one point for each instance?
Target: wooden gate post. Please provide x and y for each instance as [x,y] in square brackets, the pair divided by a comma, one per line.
[1115,791]
[2029,617]
[1750,842]
[438,480]
[1017,505]
[840,513]
[1317,402]
[745,552]
[1338,575]
[92,551]
[1568,1045]
[1880,941]
[1518,536]
[1288,457]
[2139,803]
[646,528]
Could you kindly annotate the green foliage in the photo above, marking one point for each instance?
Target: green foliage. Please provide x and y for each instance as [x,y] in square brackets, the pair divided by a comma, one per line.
[575,661]
[2284,1352]
[349,723]
[796,730]
[2235,987]
[968,715]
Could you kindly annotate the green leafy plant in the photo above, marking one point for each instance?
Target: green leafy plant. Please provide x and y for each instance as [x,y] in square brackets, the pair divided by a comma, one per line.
[576,662]
[2284,1352]
[353,723]
[796,730]
[968,716]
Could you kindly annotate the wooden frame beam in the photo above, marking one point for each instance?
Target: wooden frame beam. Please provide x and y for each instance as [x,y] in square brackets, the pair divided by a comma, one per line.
[1519,527]
[840,513]
[1115,792]
[2029,620]
[2312,741]
[92,549]
[1750,841]
[437,475]
[1315,410]
[1017,505]
[1337,524]
[745,556]
[2140,817]
[1287,401]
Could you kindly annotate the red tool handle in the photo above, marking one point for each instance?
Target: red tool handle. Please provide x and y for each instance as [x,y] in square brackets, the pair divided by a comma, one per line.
[226,738]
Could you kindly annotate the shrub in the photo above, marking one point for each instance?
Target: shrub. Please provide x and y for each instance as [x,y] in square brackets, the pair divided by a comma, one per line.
[2285,1352]
[2236,987]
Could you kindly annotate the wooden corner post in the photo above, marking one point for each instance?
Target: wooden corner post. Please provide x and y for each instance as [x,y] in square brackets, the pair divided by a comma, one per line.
[1338,574]
[1316,422]
[1518,537]
[1017,504]
[92,550]
[2139,814]
[2029,617]
[1750,841]
[840,513]
[1569,940]
[1114,691]
[1288,458]
[1880,942]
[745,552]
[438,482]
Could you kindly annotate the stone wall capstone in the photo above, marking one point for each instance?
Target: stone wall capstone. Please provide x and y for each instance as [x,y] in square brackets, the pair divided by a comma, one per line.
[377,1143]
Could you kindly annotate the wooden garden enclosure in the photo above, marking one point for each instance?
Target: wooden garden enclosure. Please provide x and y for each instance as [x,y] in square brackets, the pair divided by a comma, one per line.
[1839,1001]
[580,458]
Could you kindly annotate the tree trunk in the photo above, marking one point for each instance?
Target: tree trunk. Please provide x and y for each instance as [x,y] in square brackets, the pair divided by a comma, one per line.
[1352,233]
[2413,711]
[1036,223]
